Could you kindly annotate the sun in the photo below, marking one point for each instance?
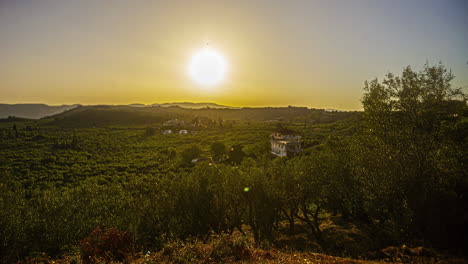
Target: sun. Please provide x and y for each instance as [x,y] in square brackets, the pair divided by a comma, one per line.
[207,67]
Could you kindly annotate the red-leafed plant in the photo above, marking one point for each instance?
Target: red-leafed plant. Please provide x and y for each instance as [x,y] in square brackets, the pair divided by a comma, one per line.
[106,244]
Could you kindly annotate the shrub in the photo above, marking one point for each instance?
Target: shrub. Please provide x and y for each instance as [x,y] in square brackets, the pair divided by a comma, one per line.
[150,131]
[191,153]
[108,244]
[227,247]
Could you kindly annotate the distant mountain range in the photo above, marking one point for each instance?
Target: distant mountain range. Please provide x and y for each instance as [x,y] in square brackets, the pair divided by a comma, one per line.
[191,105]
[37,111]
[32,111]
[141,114]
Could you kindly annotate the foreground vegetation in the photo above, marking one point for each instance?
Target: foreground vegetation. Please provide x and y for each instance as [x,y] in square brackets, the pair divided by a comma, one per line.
[238,248]
[394,175]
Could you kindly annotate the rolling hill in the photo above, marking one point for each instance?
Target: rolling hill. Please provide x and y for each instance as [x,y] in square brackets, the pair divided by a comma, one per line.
[32,111]
[106,115]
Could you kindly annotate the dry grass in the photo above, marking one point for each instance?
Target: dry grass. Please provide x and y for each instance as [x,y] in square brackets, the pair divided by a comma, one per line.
[238,248]
[254,256]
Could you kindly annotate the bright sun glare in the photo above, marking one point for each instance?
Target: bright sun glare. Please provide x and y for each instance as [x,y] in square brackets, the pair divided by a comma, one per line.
[207,67]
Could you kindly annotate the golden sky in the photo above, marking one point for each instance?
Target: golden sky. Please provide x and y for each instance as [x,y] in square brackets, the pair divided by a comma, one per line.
[305,53]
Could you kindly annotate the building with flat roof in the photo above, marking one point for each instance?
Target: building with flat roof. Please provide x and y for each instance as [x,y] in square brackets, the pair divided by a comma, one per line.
[285,145]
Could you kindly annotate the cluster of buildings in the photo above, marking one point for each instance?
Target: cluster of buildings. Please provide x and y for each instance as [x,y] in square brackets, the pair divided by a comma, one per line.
[175,123]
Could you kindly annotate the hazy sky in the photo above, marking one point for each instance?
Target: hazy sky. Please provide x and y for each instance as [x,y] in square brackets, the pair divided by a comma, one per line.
[279,53]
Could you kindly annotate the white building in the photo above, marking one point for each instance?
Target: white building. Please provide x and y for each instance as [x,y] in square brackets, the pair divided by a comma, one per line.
[183,132]
[285,145]
[168,131]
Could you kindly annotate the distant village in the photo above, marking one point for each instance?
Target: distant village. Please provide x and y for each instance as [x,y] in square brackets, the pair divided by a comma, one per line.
[174,126]
[284,143]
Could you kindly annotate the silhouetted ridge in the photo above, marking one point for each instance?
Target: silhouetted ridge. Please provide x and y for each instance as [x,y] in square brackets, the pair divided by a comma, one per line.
[32,111]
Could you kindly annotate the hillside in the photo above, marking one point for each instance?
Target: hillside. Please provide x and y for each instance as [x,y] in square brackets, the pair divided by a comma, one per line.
[195,105]
[337,198]
[139,114]
[237,249]
[105,115]
[32,111]
[13,119]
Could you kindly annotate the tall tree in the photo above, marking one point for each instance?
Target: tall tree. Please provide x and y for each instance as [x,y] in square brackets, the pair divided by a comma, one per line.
[408,116]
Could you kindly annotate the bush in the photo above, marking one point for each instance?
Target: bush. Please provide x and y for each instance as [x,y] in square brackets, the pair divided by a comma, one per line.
[150,131]
[108,244]
[231,247]
[218,149]
[191,153]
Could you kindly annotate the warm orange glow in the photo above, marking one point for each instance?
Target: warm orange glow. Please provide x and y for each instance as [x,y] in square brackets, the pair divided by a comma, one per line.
[207,67]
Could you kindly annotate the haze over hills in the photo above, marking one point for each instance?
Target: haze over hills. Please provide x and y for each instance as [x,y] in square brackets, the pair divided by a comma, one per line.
[37,111]
[32,111]
[195,105]
[189,105]
[140,115]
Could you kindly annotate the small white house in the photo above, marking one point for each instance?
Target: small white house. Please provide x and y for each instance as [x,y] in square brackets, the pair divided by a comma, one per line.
[166,132]
[183,132]
[285,145]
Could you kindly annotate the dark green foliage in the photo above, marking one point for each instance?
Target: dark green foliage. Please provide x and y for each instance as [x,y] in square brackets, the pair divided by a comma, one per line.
[171,153]
[104,116]
[236,154]
[407,118]
[10,119]
[218,150]
[150,131]
[83,117]
[191,153]
[261,198]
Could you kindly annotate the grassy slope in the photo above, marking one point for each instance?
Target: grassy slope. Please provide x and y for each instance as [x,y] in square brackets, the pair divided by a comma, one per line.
[261,256]
[217,249]
[239,249]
